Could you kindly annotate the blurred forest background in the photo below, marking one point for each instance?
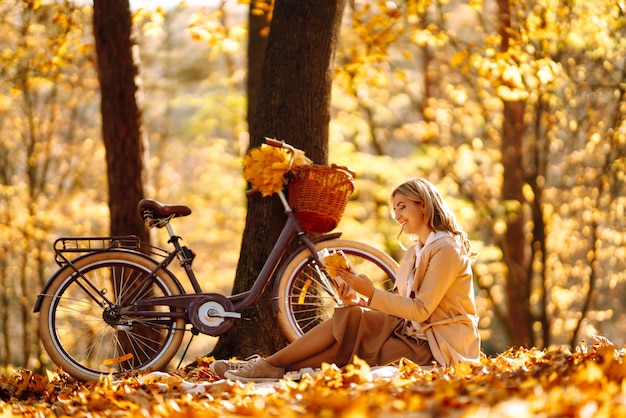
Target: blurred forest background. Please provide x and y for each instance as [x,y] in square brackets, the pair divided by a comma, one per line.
[470,94]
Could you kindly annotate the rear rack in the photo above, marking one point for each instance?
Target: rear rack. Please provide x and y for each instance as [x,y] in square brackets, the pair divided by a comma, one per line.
[63,247]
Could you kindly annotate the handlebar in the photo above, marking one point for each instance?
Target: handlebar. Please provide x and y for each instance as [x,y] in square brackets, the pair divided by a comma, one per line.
[282,144]
[276,143]
[252,192]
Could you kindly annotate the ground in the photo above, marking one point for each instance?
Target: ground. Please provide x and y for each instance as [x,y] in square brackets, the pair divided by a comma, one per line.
[586,382]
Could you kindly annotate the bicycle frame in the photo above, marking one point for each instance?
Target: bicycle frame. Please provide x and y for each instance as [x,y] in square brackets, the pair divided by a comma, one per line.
[208,313]
[240,301]
[290,230]
[247,299]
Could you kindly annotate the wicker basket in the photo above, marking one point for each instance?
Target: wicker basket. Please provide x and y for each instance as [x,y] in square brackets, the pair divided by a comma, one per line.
[318,194]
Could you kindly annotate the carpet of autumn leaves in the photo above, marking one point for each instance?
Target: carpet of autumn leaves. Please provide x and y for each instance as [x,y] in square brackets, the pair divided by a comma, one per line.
[587,382]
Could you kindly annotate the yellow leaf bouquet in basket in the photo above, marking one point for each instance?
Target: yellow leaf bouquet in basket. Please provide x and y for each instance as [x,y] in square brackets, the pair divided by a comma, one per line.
[265,167]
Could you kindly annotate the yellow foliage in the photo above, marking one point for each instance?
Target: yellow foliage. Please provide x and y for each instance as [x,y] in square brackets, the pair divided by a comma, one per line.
[591,381]
[265,167]
[334,261]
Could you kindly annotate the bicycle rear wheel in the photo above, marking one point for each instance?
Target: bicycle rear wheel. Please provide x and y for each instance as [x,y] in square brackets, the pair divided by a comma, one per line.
[88,322]
[304,299]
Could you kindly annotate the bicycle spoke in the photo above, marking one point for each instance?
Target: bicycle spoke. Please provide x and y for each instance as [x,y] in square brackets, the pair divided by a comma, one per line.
[89,336]
[92,292]
[82,345]
[306,297]
[81,312]
[297,291]
[127,286]
[97,357]
[311,321]
[140,345]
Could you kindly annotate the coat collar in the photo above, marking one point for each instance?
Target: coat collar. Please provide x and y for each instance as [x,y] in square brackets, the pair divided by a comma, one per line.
[432,237]
[410,259]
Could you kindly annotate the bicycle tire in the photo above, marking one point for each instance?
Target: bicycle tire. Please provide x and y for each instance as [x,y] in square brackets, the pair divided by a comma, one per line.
[82,337]
[303,301]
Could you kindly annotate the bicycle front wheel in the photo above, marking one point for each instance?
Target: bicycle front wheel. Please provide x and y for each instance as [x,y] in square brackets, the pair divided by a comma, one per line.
[89,322]
[305,299]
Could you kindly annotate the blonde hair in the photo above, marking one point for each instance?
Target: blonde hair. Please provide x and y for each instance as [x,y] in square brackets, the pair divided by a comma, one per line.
[437,213]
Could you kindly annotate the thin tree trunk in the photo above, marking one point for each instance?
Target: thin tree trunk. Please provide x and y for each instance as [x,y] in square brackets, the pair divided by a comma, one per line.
[514,246]
[6,307]
[121,121]
[121,115]
[538,151]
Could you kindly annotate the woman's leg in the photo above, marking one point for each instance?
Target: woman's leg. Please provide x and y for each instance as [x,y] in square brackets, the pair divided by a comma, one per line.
[326,356]
[316,346]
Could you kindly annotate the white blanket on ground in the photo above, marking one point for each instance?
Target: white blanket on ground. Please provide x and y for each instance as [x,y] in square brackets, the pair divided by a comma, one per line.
[165,381]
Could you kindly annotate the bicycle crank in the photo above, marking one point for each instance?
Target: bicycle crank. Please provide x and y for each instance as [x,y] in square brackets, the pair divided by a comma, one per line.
[212,314]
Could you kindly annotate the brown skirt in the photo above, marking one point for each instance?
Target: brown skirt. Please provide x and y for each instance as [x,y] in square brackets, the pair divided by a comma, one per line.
[375,337]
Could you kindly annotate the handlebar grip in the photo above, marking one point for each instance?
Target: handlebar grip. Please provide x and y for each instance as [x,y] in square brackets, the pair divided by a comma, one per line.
[274,142]
[252,192]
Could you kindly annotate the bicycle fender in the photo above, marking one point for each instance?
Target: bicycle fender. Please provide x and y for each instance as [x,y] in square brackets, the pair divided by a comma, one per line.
[46,286]
[285,263]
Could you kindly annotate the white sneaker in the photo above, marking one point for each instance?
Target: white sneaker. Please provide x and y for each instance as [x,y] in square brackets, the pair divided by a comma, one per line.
[256,370]
[220,367]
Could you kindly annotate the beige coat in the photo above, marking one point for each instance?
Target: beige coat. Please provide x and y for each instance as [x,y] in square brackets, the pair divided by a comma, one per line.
[440,301]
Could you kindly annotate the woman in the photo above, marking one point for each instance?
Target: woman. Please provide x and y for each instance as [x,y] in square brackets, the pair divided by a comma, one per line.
[429,318]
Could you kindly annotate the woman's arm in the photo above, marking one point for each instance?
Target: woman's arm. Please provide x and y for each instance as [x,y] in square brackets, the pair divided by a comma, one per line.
[440,275]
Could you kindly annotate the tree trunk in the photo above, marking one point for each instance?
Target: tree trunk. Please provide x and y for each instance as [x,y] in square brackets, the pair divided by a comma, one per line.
[538,152]
[258,25]
[294,105]
[514,246]
[121,116]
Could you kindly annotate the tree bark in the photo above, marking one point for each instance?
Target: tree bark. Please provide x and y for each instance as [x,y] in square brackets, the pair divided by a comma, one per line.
[294,105]
[121,115]
[259,20]
[514,247]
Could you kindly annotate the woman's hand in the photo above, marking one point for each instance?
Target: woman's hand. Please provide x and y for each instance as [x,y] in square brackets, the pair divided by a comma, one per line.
[359,282]
[348,295]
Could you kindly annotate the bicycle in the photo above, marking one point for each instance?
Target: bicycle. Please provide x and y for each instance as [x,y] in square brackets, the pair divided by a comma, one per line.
[114,306]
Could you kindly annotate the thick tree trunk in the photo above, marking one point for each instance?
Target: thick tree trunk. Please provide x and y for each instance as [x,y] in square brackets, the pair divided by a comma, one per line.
[121,116]
[258,28]
[294,105]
